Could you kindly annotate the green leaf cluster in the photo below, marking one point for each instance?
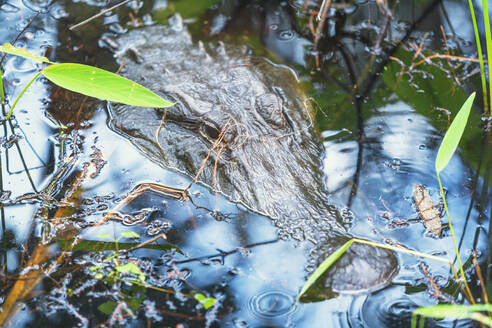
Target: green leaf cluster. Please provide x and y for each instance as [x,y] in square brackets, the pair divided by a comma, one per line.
[90,81]
[206,302]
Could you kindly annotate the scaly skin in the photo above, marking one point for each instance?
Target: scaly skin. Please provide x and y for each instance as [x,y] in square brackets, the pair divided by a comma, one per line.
[265,150]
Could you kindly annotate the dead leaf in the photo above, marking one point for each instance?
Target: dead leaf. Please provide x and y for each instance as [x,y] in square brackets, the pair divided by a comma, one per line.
[427,210]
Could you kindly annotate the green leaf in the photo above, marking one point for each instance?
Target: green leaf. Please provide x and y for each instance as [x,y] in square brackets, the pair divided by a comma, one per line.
[488,39]
[324,266]
[98,83]
[479,51]
[107,307]
[104,235]
[206,302]
[453,135]
[10,49]
[134,302]
[111,257]
[129,234]
[131,268]
[454,311]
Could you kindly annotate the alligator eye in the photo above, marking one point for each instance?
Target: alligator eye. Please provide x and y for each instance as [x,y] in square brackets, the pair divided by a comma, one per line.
[210,132]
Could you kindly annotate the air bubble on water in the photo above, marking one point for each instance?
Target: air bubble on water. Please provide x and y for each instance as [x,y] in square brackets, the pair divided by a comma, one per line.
[244,252]
[286,35]
[239,323]
[216,261]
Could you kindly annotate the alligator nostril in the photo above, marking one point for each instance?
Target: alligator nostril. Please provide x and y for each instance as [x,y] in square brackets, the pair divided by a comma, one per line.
[269,106]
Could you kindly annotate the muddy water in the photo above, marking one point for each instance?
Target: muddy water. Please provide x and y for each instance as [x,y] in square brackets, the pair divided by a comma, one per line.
[216,247]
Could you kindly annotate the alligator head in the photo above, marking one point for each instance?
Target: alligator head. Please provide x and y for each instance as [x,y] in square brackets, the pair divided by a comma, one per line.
[240,125]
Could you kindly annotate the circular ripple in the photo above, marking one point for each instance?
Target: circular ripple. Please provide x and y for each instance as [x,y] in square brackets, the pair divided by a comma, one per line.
[272,304]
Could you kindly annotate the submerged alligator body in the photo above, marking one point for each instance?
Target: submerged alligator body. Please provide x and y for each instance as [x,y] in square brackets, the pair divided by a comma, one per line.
[243,125]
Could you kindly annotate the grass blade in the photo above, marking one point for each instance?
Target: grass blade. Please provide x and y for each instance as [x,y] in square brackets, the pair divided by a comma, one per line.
[2,95]
[323,267]
[98,83]
[21,94]
[10,49]
[480,57]
[455,311]
[453,135]
[488,40]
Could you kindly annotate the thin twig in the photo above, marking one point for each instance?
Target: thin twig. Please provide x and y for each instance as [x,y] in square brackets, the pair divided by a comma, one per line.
[71,28]
[431,281]
[325,6]
[20,33]
[478,271]
[449,57]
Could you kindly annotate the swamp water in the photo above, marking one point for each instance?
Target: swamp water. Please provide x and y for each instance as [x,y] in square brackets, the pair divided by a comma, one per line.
[215,247]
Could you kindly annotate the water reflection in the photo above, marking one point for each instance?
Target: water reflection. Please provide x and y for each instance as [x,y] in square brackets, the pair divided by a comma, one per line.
[235,256]
[26,139]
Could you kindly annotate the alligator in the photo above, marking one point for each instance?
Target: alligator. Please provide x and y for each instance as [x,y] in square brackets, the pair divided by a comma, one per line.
[241,125]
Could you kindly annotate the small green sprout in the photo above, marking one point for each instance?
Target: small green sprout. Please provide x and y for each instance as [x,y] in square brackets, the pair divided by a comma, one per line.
[206,302]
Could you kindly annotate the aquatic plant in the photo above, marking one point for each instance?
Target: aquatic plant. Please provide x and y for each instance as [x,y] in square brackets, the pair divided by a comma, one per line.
[454,135]
[455,311]
[128,268]
[110,270]
[446,151]
[88,80]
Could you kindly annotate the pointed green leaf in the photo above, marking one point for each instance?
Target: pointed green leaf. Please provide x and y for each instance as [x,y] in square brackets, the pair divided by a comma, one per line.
[129,234]
[324,266]
[10,49]
[107,307]
[488,39]
[458,311]
[104,235]
[98,83]
[206,302]
[453,135]
[455,311]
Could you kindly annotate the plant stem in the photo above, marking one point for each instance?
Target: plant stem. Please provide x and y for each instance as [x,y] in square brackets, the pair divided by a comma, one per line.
[467,289]
[408,251]
[488,40]
[22,92]
[480,57]
[2,95]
